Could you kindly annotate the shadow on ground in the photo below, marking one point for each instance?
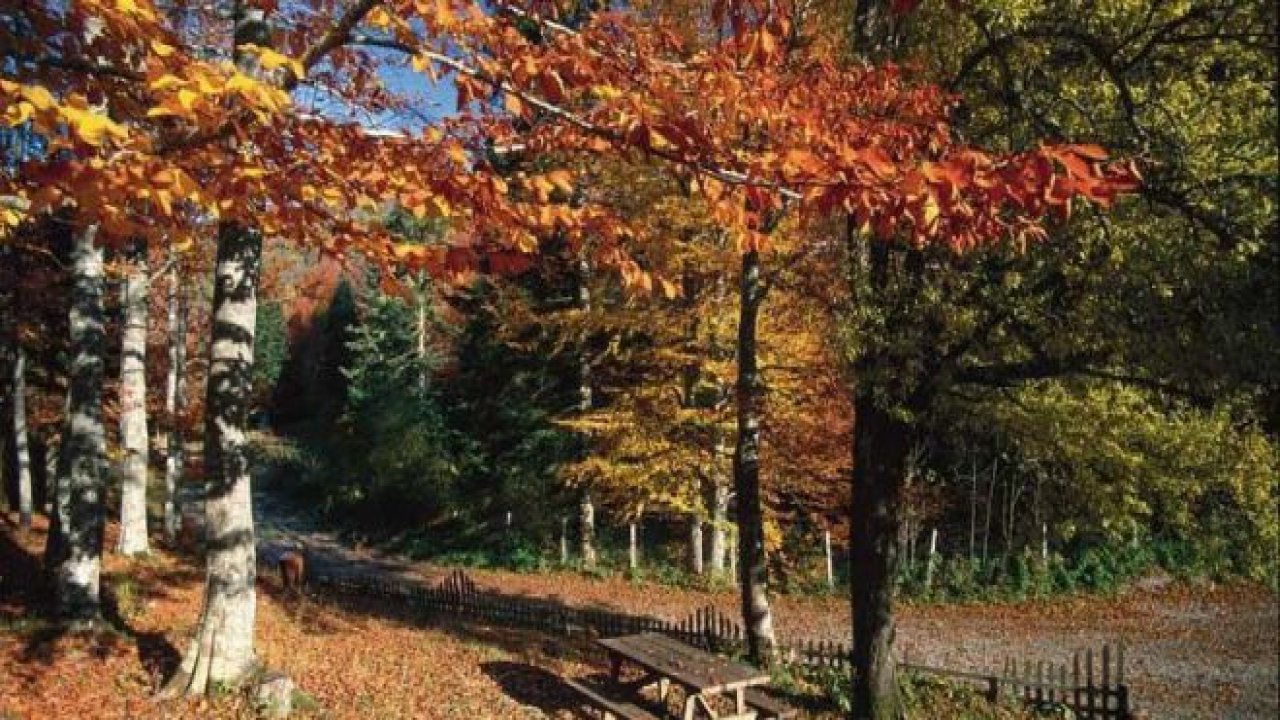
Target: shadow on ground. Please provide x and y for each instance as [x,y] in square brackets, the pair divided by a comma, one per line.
[27,609]
[531,685]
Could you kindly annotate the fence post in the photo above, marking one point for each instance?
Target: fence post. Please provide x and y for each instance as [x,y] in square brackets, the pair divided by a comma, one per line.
[993,689]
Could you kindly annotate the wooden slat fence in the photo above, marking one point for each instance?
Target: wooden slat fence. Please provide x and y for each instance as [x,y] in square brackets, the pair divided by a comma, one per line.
[1093,691]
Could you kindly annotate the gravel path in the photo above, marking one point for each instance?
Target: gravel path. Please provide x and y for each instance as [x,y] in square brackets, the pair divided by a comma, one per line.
[1193,651]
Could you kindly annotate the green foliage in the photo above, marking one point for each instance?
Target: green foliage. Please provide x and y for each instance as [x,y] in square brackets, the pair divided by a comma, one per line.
[270,348]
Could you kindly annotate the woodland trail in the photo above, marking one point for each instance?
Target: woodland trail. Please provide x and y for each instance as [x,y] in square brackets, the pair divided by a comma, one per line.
[1193,651]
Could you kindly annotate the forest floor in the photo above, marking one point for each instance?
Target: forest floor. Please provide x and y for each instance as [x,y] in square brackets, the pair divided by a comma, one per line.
[1193,650]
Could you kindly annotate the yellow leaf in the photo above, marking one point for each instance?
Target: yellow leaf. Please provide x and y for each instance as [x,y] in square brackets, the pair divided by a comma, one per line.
[513,104]
[606,92]
[187,98]
[161,49]
[9,217]
[379,18]
[92,128]
[931,211]
[270,60]
[40,98]
[17,114]
[165,82]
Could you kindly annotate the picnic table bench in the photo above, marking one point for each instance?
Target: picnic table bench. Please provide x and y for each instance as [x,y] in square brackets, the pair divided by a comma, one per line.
[664,661]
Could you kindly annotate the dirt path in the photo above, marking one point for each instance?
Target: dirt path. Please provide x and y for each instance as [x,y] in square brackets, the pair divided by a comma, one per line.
[1193,652]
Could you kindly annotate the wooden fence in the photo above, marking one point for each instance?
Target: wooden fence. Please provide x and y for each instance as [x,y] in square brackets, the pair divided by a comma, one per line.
[1101,695]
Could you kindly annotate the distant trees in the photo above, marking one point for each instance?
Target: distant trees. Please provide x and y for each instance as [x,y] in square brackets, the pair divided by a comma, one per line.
[925,259]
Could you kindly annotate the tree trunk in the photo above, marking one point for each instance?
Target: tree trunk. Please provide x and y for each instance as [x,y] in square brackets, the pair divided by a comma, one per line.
[719,518]
[587,520]
[420,331]
[21,447]
[826,551]
[174,405]
[753,568]
[880,449]
[79,486]
[586,510]
[633,545]
[55,543]
[564,541]
[133,408]
[695,544]
[222,652]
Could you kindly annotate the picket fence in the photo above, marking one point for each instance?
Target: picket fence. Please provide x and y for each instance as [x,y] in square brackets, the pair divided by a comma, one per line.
[1093,691]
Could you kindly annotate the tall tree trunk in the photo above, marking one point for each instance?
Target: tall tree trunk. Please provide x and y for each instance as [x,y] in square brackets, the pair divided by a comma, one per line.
[21,447]
[695,544]
[78,500]
[587,529]
[633,544]
[719,520]
[880,450]
[55,543]
[753,568]
[420,301]
[174,404]
[134,441]
[586,509]
[222,652]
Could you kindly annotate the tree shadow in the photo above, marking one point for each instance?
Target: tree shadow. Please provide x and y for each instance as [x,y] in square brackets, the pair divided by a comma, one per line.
[532,685]
[27,604]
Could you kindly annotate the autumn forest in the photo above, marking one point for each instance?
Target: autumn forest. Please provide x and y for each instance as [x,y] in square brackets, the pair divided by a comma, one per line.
[555,358]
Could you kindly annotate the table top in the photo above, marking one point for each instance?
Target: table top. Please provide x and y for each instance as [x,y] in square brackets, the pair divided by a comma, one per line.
[686,665]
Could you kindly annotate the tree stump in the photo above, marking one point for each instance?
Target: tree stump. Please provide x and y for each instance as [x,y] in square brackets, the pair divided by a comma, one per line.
[273,695]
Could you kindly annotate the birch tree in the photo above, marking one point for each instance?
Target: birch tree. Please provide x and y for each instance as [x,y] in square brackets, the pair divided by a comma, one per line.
[134,440]
[78,495]
[21,447]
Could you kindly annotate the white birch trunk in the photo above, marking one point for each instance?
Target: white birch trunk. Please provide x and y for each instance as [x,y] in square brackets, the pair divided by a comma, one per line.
[831,567]
[587,520]
[719,516]
[933,558]
[174,404]
[79,490]
[21,446]
[134,442]
[695,545]
[633,547]
[222,652]
[564,541]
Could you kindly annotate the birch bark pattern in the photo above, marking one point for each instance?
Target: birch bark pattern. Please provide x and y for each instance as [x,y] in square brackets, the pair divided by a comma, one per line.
[719,512]
[133,408]
[753,568]
[21,447]
[175,404]
[55,543]
[587,523]
[79,486]
[222,652]
[586,510]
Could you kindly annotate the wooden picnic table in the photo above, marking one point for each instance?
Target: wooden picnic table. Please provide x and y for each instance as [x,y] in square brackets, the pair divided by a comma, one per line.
[665,660]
